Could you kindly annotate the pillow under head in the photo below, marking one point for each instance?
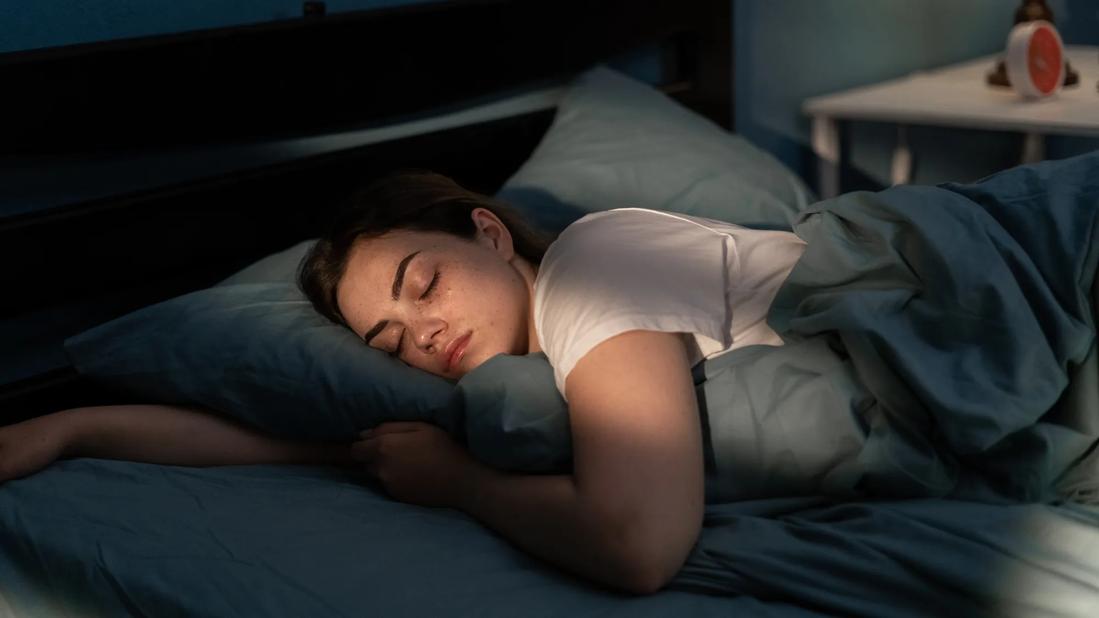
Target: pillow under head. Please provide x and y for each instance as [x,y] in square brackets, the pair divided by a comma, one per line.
[259,353]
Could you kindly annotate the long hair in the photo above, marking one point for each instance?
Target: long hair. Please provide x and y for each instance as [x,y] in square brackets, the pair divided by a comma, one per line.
[408,200]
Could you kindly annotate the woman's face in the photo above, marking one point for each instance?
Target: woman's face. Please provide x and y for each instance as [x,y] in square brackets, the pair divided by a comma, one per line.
[438,302]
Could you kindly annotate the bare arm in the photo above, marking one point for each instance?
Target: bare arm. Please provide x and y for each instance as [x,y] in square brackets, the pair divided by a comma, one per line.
[632,510]
[149,433]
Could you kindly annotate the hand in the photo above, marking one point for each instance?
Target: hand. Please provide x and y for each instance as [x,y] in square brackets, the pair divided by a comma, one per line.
[417,463]
[29,446]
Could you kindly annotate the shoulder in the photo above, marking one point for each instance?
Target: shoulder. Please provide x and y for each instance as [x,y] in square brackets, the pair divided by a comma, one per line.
[628,269]
[633,224]
[604,243]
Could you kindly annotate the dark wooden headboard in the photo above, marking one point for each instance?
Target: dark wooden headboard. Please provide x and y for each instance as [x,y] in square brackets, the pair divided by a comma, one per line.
[75,262]
[334,72]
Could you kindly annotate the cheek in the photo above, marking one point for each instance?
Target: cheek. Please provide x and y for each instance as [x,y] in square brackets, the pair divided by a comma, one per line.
[508,315]
[487,298]
[507,299]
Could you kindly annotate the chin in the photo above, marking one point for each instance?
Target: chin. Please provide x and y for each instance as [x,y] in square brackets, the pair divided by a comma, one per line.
[472,363]
[475,358]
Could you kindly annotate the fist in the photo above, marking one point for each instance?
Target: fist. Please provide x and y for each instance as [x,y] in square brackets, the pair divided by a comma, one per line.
[417,463]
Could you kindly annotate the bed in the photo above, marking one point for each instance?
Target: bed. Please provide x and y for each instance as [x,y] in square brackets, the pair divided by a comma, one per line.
[163,254]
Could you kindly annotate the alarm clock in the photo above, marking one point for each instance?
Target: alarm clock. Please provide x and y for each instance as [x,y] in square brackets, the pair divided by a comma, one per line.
[1035,59]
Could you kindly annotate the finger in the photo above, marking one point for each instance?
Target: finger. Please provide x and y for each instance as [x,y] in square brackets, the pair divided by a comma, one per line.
[397,427]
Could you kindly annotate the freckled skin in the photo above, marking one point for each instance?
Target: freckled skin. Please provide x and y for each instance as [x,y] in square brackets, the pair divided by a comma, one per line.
[483,289]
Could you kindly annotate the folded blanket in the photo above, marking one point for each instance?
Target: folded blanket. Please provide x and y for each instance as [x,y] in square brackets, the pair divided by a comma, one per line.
[964,310]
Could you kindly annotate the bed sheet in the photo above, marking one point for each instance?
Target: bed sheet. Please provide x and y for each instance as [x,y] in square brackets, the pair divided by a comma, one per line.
[106,538]
[93,537]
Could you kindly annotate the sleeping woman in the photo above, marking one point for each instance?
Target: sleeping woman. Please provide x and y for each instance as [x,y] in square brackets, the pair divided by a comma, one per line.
[623,304]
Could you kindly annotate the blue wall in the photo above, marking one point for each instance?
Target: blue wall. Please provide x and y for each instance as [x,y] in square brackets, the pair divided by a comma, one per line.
[789,50]
[33,24]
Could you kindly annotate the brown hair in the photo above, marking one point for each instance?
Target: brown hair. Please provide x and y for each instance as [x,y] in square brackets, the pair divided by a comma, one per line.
[408,200]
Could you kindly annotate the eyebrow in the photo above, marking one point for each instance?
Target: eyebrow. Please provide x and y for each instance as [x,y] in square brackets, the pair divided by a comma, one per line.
[398,277]
[373,332]
[398,283]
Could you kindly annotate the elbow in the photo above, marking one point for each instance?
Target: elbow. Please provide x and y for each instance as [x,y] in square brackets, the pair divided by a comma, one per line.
[652,561]
[647,575]
[649,546]
[647,581]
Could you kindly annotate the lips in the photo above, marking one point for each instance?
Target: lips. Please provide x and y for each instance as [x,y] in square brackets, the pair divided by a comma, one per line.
[455,350]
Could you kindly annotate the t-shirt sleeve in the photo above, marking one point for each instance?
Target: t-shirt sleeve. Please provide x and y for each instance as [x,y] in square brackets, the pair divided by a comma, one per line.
[631,269]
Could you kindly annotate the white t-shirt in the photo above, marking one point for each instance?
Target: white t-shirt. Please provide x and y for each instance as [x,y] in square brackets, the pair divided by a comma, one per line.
[636,269]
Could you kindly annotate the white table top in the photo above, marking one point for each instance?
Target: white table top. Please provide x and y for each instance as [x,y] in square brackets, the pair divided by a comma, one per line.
[958,95]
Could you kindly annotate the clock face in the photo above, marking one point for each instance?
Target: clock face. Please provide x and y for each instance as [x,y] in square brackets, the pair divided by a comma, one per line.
[1044,60]
[1035,59]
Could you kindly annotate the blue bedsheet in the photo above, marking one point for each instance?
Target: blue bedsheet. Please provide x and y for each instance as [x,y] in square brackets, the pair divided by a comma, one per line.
[104,538]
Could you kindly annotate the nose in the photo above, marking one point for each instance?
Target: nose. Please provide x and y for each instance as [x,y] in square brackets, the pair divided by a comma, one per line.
[426,333]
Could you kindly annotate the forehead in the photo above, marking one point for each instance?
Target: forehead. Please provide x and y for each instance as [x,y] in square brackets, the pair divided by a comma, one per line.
[372,262]
[370,265]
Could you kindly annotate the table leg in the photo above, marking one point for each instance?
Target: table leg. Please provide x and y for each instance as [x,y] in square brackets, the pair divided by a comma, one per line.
[1034,147]
[901,172]
[826,145]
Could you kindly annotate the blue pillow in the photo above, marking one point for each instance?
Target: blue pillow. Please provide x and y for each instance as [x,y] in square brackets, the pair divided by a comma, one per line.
[618,142]
[253,348]
[260,353]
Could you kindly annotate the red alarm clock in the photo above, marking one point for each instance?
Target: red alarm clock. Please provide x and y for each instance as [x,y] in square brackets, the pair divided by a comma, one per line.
[1035,59]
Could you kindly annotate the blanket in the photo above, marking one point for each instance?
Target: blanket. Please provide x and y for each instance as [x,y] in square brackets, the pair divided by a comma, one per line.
[964,311]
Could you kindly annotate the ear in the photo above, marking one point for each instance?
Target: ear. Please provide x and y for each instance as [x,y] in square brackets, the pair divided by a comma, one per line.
[492,233]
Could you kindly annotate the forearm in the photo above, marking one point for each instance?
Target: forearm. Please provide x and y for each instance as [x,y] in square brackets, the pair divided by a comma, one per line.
[546,516]
[183,436]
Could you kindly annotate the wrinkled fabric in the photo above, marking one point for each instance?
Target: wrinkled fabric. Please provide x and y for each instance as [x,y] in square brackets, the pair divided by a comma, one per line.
[911,558]
[964,310]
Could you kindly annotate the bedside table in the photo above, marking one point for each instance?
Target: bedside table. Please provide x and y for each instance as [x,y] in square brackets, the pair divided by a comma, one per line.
[954,96]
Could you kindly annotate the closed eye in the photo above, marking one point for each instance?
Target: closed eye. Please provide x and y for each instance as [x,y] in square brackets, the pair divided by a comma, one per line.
[396,353]
[400,343]
[430,286]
